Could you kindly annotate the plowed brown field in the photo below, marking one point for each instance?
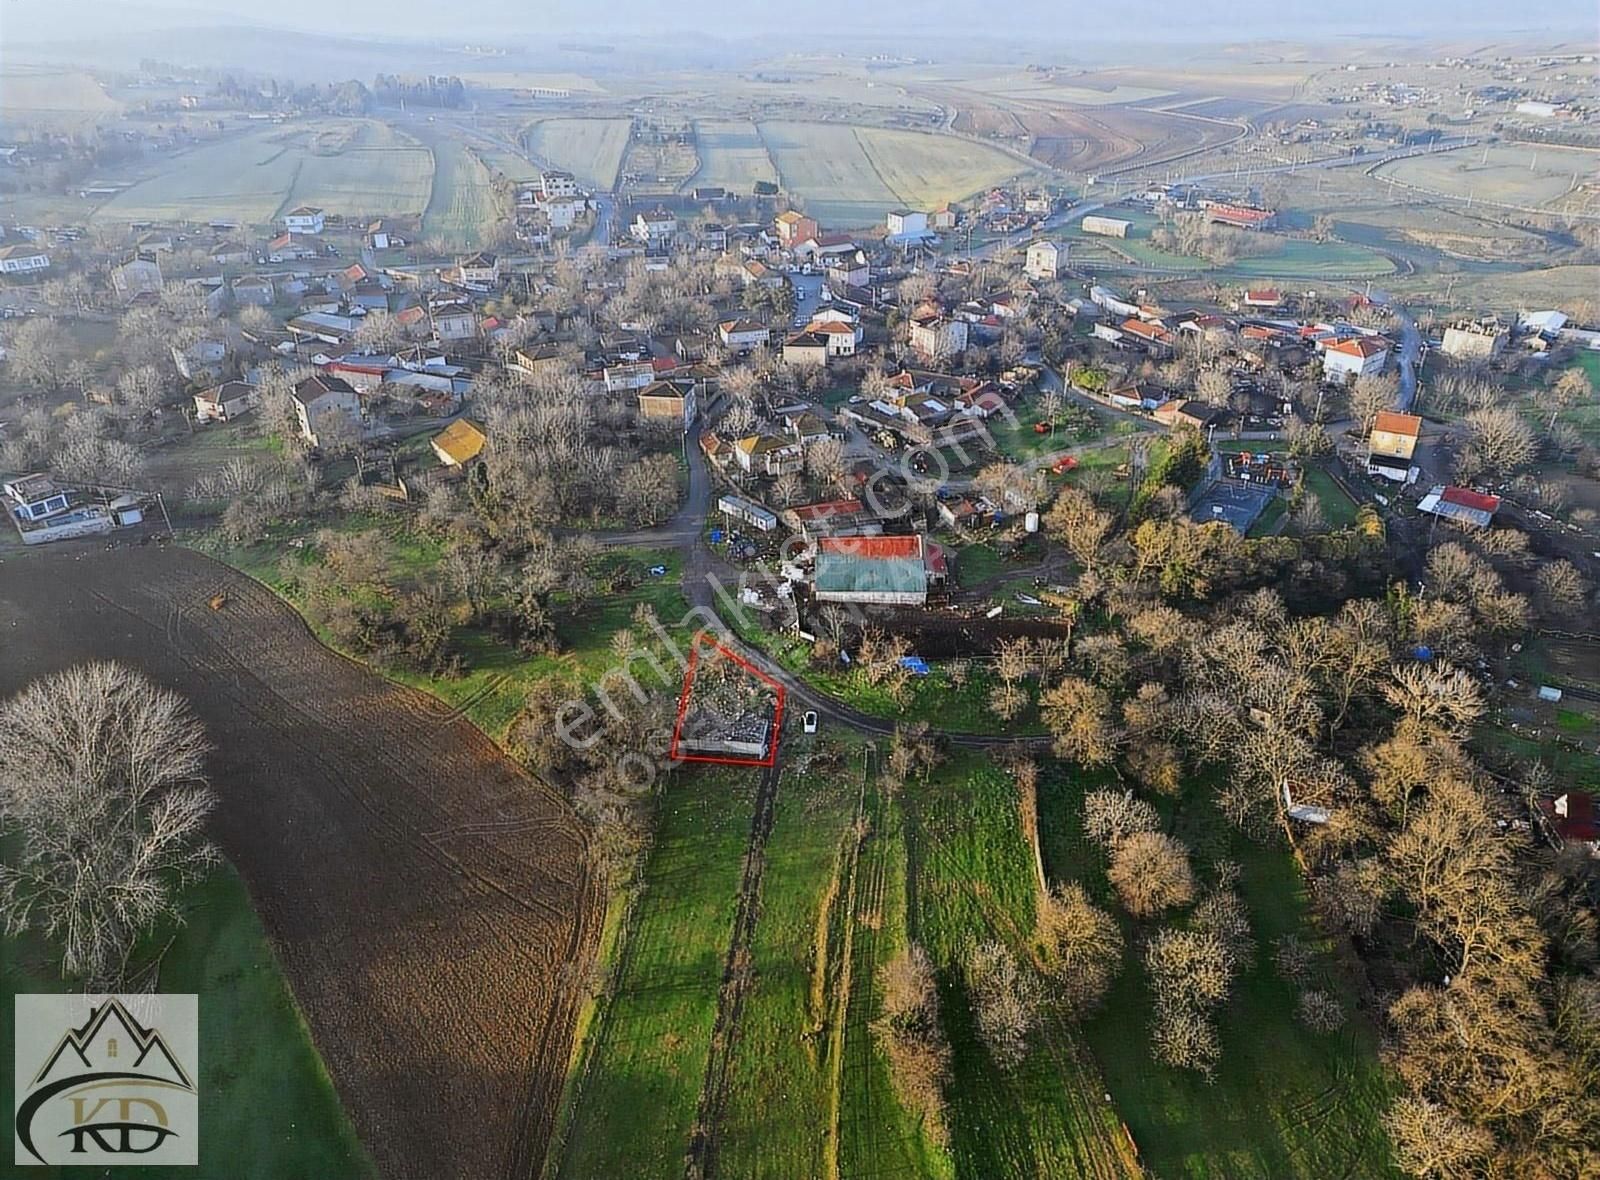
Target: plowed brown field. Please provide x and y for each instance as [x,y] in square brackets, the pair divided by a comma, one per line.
[430,903]
[1116,137]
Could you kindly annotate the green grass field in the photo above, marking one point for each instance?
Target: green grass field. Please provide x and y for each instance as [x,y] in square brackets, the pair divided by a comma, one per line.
[267,1107]
[381,173]
[253,177]
[972,877]
[877,1135]
[646,1053]
[461,205]
[1338,509]
[852,176]
[731,155]
[1290,258]
[591,149]
[1285,1102]
[787,1065]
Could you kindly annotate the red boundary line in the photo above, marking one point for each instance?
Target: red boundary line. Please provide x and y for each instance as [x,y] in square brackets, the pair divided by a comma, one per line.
[683,707]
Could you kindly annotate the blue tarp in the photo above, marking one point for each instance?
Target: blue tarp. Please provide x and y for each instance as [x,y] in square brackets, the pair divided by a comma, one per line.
[916,665]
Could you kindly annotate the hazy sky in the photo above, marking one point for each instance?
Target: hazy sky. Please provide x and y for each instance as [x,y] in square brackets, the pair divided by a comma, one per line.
[1054,21]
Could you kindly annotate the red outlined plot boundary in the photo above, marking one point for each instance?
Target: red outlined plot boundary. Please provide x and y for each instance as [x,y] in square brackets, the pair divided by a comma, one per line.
[713,647]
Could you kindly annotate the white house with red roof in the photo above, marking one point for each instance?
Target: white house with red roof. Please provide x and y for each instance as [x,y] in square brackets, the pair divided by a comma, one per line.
[1263,297]
[1461,505]
[1344,361]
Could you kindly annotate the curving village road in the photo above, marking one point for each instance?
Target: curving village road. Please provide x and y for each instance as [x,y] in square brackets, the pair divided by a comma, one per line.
[710,586]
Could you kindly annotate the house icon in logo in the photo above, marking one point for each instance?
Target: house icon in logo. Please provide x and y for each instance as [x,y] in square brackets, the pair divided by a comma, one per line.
[112,1089]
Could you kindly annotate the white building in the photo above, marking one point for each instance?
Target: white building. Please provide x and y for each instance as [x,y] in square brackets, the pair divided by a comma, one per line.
[742,335]
[936,337]
[21,259]
[655,227]
[307,219]
[1108,299]
[1475,340]
[1106,227]
[555,184]
[225,402]
[479,270]
[324,405]
[1045,260]
[1347,360]
[843,338]
[563,212]
[903,223]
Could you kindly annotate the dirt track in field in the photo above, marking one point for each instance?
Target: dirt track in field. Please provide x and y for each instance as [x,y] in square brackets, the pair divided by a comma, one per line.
[430,903]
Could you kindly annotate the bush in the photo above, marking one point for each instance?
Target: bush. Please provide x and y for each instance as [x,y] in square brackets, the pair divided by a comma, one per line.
[1319,1011]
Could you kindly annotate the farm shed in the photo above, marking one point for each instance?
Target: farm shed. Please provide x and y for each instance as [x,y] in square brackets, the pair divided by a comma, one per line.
[749,511]
[879,571]
[459,443]
[1107,227]
[1461,505]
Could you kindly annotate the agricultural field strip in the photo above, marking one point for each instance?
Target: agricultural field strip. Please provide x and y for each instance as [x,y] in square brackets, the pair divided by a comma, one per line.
[652,1033]
[592,149]
[974,879]
[735,984]
[253,177]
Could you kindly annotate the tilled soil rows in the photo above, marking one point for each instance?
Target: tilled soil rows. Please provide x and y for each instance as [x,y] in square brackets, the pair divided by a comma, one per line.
[431,904]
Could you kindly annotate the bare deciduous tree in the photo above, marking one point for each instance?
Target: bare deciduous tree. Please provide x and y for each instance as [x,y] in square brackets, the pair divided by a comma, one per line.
[1150,872]
[1005,1000]
[1431,1143]
[1110,817]
[1498,441]
[911,1038]
[1078,714]
[1080,947]
[100,782]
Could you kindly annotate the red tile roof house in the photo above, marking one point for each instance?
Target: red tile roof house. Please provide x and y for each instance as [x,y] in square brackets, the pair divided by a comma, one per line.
[1461,505]
[1263,297]
[830,518]
[1239,216]
[1359,356]
[1151,335]
[1570,819]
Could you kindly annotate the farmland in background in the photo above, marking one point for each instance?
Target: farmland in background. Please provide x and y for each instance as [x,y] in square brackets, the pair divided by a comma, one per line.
[732,154]
[1286,1102]
[591,149]
[1516,174]
[351,167]
[59,99]
[461,206]
[1117,137]
[848,176]
[1288,258]
[365,168]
